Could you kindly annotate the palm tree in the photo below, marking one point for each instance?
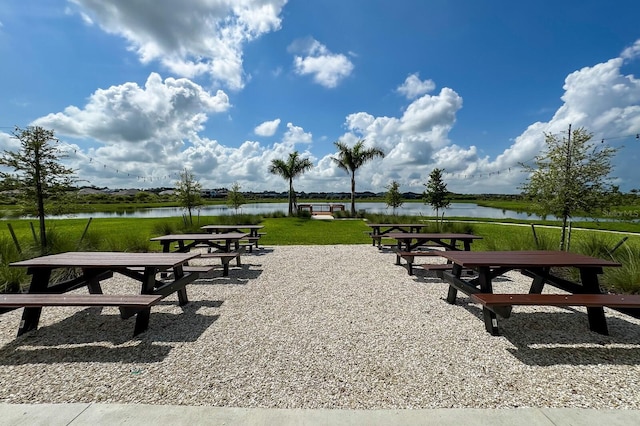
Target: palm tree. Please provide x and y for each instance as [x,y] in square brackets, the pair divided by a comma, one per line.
[350,160]
[289,169]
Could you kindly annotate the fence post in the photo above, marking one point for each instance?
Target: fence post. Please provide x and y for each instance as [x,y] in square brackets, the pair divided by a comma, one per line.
[15,239]
[535,236]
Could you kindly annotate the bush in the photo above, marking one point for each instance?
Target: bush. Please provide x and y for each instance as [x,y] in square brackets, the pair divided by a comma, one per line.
[11,279]
[625,279]
[165,228]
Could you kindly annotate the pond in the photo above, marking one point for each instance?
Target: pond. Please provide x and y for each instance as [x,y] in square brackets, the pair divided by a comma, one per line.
[412,209]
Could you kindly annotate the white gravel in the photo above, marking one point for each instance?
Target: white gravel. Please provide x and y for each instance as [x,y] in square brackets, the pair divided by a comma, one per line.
[322,327]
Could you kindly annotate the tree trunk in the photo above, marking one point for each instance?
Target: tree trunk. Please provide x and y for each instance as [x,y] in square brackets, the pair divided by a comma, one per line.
[40,197]
[290,197]
[353,194]
[564,231]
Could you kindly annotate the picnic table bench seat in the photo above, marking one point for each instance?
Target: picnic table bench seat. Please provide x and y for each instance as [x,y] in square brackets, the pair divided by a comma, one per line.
[129,305]
[37,300]
[492,300]
[201,269]
[409,257]
[225,258]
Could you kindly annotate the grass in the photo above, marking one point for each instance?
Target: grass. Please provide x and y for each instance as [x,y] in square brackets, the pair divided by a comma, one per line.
[133,235]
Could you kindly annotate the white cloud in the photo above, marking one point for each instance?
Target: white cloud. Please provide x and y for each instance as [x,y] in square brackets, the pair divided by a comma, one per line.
[203,37]
[161,110]
[155,131]
[268,128]
[631,52]
[414,87]
[599,98]
[328,69]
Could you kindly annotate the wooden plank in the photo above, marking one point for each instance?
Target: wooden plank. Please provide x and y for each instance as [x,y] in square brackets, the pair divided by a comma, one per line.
[588,300]
[40,300]
[437,266]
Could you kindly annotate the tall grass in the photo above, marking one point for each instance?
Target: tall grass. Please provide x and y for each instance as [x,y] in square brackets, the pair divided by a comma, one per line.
[625,279]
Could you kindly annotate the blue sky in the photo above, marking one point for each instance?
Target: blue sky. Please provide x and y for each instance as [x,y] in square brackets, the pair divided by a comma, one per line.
[139,90]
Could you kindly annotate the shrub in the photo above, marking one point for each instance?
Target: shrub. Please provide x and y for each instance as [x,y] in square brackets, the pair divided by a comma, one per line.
[165,228]
[625,279]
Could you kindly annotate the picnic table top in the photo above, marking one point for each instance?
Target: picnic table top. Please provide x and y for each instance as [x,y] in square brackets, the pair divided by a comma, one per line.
[86,259]
[432,235]
[524,259]
[201,237]
[406,225]
[232,227]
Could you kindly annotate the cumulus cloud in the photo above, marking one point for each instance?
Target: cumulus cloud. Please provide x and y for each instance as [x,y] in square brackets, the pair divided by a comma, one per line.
[203,37]
[161,110]
[327,69]
[268,128]
[414,87]
[599,98]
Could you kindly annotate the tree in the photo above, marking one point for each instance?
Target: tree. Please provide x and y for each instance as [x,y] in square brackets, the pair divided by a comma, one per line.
[39,176]
[436,193]
[570,176]
[188,192]
[293,167]
[350,160]
[235,198]
[393,197]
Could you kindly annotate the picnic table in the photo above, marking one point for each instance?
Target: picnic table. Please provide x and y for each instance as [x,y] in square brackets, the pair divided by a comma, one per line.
[226,244]
[408,242]
[95,267]
[252,230]
[378,230]
[536,264]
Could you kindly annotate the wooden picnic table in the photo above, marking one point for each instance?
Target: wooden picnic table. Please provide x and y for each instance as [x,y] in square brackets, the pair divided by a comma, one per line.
[252,230]
[537,264]
[227,246]
[95,267]
[378,230]
[408,242]
[225,242]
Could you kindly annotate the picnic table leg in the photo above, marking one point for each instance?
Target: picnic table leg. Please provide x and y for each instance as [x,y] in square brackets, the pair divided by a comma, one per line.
[398,250]
[93,284]
[237,248]
[142,317]
[456,271]
[31,316]
[538,281]
[178,272]
[597,320]
[490,318]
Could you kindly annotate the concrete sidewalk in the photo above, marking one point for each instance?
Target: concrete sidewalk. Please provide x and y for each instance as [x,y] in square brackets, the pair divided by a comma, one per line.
[118,414]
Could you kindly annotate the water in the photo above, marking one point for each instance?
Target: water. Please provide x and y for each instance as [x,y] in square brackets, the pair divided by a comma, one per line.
[413,209]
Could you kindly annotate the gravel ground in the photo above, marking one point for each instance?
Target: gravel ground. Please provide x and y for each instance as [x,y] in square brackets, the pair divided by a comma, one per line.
[322,327]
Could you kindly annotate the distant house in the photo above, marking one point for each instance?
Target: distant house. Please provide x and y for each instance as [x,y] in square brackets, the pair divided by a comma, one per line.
[126,192]
[91,191]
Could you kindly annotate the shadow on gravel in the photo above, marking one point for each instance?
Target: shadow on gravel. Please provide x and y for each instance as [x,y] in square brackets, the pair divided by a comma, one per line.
[563,337]
[237,276]
[92,336]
